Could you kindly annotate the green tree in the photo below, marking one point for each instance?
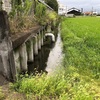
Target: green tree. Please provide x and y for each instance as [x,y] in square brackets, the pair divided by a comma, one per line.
[53,4]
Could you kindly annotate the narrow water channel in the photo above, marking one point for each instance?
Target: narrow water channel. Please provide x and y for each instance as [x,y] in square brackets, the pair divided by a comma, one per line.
[49,57]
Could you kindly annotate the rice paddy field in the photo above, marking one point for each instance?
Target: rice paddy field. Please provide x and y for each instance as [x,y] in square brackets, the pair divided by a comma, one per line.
[81,43]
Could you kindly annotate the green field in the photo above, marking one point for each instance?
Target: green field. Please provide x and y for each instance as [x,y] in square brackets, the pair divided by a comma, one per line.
[81,38]
[81,42]
[79,75]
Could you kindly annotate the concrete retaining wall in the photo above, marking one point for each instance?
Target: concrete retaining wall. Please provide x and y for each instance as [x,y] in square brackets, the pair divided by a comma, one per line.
[16,51]
[7,65]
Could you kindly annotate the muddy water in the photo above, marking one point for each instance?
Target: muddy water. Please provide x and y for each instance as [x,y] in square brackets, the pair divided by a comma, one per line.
[49,57]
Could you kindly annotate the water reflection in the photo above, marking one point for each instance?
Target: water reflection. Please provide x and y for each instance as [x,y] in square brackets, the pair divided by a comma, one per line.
[40,61]
[55,56]
[48,58]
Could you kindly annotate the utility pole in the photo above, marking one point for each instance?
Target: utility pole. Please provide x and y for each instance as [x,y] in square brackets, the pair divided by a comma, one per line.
[92,11]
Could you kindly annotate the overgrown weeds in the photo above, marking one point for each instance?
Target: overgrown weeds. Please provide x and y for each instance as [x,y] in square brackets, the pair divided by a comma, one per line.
[22,17]
[22,23]
[28,14]
[67,84]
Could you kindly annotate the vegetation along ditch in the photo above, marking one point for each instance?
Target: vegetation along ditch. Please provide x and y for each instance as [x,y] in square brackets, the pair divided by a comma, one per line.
[79,74]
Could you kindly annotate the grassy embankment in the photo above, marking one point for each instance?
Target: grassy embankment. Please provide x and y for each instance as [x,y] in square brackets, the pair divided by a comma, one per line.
[79,79]
[81,41]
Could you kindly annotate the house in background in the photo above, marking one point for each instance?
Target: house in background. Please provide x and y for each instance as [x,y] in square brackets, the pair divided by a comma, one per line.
[74,11]
[95,13]
[91,13]
[62,9]
[87,13]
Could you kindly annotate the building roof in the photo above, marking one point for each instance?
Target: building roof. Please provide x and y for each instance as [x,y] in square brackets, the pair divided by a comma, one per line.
[73,9]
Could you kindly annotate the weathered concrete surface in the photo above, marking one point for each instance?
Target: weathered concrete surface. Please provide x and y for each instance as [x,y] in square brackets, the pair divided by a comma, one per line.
[4,25]
[9,62]
[30,53]
[4,62]
[39,41]
[23,57]
[42,38]
[17,60]
[20,38]
[7,65]
[35,46]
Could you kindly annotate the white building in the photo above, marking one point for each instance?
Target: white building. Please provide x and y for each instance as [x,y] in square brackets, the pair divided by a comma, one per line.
[6,5]
[62,9]
[95,13]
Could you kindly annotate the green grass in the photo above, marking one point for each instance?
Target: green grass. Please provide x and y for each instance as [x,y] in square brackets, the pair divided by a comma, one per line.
[2,96]
[65,85]
[79,76]
[81,42]
[81,37]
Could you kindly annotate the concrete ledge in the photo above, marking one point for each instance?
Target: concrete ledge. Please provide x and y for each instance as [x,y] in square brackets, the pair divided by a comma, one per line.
[20,38]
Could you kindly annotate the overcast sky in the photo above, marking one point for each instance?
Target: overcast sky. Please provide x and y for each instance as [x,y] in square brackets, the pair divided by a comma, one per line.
[87,5]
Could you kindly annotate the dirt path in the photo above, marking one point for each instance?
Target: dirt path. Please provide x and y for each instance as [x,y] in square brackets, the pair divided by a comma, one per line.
[6,93]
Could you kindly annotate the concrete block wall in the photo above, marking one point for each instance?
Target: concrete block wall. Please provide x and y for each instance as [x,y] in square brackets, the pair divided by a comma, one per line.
[7,65]
[25,52]
[13,60]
